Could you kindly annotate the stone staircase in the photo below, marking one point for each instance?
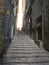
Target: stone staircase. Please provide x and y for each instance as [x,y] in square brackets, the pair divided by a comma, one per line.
[23,51]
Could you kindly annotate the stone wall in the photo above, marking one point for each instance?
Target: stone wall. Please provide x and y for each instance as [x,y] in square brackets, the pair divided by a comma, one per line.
[2,12]
[46,24]
[40,8]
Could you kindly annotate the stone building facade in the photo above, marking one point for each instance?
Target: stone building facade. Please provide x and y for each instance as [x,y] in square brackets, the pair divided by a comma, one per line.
[37,20]
[27,19]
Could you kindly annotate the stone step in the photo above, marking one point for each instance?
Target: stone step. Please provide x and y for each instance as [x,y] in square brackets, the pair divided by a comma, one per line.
[27,51]
[24,52]
[23,46]
[27,60]
[13,57]
[12,50]
[23,55]
[24,49]
[17,48]
[23,42]
[27,64]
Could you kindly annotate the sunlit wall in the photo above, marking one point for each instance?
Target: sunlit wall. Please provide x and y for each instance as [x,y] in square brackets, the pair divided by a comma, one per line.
[21,8]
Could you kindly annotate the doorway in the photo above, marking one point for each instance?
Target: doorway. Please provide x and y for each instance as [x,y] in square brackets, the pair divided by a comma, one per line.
[39,27]
[39,33]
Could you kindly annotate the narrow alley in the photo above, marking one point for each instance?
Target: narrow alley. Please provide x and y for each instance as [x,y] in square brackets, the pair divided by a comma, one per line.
[24,32]
[23,51]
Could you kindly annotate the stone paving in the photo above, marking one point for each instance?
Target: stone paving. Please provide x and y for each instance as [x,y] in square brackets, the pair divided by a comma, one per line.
[23,51]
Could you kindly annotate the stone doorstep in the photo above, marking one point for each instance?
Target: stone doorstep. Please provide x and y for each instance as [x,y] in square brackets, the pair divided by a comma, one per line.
[39,43]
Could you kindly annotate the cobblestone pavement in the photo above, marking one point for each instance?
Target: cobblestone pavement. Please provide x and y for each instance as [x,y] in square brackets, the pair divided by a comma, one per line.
[23,51]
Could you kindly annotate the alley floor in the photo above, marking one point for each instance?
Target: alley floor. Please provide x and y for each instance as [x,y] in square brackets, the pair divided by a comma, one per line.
[23,51]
